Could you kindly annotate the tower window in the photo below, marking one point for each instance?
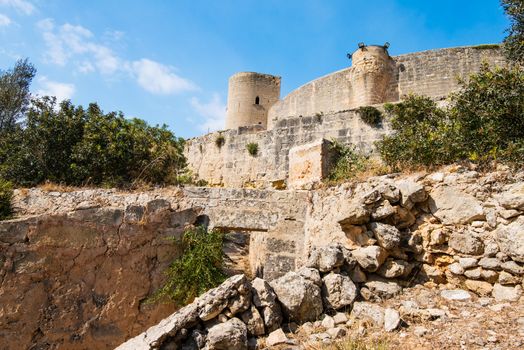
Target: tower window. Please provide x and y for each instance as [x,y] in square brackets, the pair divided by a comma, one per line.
[257,100]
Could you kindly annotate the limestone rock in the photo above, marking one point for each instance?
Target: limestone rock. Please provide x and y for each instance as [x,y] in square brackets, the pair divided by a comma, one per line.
[473,273]
[389,192]
[383,211]
[395,268]
[513,197]
[370,311]
[370,258]
[506,293]
[381,288]
[253,321]
[340,318]
[490,263]
[277,337]
[357,275]
[466,243]
[230,335]
[263,294]
[511,239]
[512,267]
[388,236]
[354,213]
[272,317]
[338,291]
[411,193]
[330,257]
[328,322]
[311,275]
[468,262]
[454,207]
[301,299]
[336,332]
[391,319]
[479,287]
[455,294]
[506,278]
[227,294]
[456,269]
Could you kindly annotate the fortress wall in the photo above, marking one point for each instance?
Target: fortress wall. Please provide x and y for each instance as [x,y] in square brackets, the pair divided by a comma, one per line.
[232,166]
[434,73]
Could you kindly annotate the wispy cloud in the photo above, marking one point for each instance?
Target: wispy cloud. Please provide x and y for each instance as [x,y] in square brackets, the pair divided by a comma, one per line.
[62,91]
[213,112]
[21,6]
[159,79]
[78,44]
[4,20]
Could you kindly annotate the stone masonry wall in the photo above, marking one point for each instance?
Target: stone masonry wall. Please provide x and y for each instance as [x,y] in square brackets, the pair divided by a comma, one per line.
[232,166]
[432,73]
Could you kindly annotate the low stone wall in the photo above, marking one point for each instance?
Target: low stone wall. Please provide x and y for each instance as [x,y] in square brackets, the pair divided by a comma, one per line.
[232,166]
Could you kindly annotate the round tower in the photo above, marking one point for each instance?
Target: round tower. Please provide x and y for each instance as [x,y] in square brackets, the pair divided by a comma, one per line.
[250,95]
[373,70]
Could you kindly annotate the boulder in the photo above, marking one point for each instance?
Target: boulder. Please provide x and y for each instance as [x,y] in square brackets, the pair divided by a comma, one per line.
[338,291]
[277,337]
[388,236]
[354,213]
[328,322]
[380,288]
[326,258]
[506,293]
[272,317]
[510,239]
[389,192]
[395,268]
[454,207]
[265,298]
[512,197]
[253,321]
[383,211]
[370,258]
[479,287]
[234,293]
[490,263]
[466,242]
[230,335]
[364,310]
[300,298]
[512,267]
[411,193]
[391,319]
[466,263]
[311,275]
[456,269]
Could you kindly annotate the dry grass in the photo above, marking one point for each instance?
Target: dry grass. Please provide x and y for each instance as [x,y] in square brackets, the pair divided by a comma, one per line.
[54,187]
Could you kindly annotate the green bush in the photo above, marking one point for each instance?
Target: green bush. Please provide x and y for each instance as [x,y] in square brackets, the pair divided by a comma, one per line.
[489,110]
[220,141]
[514,42]
[423,134]
[371,116]
[6,194]
[197,270]
[347,162]
[252,148]
[76,146]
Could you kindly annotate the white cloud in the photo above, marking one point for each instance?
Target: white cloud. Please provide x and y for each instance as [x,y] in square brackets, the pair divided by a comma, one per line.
[75,43]
[213,112]
[62,91]
[4,20]
[22,6]
[158,78]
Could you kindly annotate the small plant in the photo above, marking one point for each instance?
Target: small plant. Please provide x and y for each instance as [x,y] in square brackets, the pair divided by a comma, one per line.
[6,194]
[371,116]
[220,141]
[252,148]
[347,162]
[197,270]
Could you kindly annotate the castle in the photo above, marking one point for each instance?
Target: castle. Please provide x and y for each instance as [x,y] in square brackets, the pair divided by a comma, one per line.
[323,109]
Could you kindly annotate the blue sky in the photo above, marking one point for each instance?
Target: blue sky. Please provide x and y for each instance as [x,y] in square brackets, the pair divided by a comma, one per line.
[169,61]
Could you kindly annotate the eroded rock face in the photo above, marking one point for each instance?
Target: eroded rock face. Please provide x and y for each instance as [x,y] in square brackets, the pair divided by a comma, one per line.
[300,298]
[80,279]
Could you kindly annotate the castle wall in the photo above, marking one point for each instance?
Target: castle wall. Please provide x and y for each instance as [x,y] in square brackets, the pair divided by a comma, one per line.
[232,166]
[432,73]
[250,95]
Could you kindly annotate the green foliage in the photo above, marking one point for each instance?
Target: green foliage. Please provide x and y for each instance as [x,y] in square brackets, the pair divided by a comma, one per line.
[76,146]
[486,46]
[485,122]
[514,42]
[197,270]
[252,148]
[220,141]
[371,116]
[489,110]
[347,162]
[14,93]
[6,193]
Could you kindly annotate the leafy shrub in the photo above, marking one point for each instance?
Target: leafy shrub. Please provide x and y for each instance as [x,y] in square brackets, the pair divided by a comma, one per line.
[423,134]
[76,146]
[514,42]
[486,46]
[347,162]
[489,110]
[370,115]
[252,148]
[220,141]
[197,270]
[6,194]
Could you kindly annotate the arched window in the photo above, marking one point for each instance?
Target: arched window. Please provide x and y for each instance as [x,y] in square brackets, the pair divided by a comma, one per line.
[257,100]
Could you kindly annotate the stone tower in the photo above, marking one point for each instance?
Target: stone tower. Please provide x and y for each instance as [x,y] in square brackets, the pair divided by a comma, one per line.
[250,96]
[373,71]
